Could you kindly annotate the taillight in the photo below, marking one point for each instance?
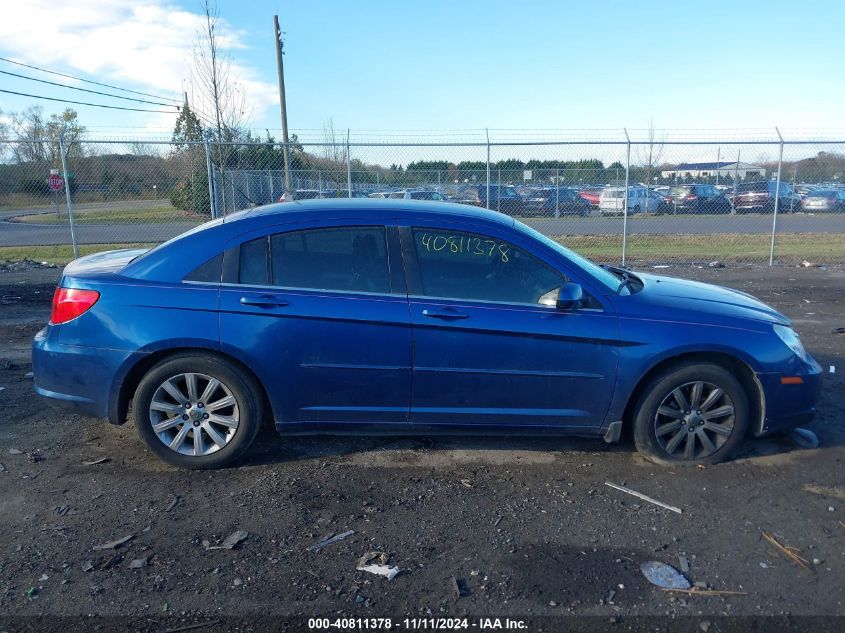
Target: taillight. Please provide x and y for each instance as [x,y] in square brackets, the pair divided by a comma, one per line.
[69,303]
[692,197]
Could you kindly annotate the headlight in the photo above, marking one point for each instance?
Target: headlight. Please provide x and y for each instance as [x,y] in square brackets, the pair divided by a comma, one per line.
[790,338]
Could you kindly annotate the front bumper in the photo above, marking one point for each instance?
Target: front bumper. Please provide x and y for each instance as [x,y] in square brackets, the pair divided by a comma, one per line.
[76,379]
[790,405]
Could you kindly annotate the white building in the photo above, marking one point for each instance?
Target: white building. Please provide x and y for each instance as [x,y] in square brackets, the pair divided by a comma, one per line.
[710,170]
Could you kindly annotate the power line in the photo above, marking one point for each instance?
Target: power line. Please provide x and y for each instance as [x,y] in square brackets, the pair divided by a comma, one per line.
[96,83]
[96,105]
[96,92]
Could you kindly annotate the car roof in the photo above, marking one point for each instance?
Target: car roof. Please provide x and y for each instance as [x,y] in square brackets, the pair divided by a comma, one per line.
[304,210]
[157,264]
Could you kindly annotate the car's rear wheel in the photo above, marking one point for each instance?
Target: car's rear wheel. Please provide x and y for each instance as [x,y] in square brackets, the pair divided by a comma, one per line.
[694,413]
[195,411]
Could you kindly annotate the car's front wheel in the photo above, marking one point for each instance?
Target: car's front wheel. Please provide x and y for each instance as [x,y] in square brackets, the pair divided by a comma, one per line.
[195,411]
[695,413]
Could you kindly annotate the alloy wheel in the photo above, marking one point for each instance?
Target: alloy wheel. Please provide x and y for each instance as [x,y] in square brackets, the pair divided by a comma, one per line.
[194,414]
[694,420]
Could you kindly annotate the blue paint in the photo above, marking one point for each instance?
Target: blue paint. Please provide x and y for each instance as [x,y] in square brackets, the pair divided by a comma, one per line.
[398,359]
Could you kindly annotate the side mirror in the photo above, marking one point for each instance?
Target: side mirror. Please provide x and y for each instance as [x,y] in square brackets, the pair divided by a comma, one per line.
[569,297]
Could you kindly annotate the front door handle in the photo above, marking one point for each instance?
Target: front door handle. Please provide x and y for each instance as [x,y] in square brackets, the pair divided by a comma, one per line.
[264,301]
[446,314]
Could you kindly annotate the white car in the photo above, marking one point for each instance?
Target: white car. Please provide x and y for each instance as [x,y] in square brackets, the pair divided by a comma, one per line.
[418,194]
[612,200]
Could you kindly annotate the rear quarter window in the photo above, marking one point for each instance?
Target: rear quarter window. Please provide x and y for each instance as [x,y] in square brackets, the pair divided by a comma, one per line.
[209,272]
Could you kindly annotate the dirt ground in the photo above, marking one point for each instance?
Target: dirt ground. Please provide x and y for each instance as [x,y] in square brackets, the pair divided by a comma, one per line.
[526,527]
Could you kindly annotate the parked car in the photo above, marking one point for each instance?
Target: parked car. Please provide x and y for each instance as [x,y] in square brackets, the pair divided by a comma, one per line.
[760,196]
[824,200]
[379,194]
[592,196]
[321,316]
[418,194]
[612,200]
[550,200]
[305,194]
[695,198]
[311,194]
[503,198]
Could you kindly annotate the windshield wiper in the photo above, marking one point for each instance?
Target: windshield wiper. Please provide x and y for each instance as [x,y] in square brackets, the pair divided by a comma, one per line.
[627,277]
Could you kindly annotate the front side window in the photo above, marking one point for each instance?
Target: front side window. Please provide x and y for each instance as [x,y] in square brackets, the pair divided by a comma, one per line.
[352,258]
[460,265]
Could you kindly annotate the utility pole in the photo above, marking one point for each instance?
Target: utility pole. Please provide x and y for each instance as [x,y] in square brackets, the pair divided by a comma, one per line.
[282,103]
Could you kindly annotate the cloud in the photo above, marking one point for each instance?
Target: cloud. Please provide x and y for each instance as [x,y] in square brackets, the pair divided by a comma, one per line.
[145,45]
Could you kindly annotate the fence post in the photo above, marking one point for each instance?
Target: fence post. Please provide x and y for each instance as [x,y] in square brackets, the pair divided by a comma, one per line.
[212,202]
[499,183]
[232,191]
[348,165]
[67,195]
[736,179]
[718,158]
[270,190]
[625,210]
[557,193]
[777,201]
[488,167]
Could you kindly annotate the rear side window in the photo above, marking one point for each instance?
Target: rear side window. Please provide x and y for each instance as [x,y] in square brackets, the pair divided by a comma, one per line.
[252,264]
[752,186]
[350,259]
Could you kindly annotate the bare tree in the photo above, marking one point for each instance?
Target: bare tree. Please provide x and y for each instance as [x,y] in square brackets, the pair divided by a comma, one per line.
[38,137]
[650,154]
[5,132]
[139,148]
[334,153]
[334,149]
[214,89]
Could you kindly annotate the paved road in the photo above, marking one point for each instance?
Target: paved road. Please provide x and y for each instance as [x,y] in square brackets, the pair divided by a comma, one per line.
[25,234]
[693,225]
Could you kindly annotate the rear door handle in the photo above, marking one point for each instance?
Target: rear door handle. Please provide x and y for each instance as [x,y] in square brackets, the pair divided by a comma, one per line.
[446,314]
[264,301]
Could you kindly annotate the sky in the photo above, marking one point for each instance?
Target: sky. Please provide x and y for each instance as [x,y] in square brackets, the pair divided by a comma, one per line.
[450,69]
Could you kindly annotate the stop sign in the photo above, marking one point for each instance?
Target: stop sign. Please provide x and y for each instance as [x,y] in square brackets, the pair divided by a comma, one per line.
[56,182]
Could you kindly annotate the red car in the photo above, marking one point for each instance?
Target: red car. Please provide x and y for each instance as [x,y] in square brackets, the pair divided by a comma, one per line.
[591,196]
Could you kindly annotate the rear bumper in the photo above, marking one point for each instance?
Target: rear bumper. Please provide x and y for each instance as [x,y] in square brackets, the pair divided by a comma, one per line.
[790,405]
[75,379]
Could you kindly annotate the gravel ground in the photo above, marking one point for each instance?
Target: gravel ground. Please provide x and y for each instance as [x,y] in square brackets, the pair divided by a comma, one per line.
[525,527]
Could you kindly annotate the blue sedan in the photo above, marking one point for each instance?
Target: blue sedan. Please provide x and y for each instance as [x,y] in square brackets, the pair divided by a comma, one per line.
[351,316]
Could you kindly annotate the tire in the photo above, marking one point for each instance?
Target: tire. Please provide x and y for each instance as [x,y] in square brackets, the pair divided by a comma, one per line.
[226,432]
[655,433]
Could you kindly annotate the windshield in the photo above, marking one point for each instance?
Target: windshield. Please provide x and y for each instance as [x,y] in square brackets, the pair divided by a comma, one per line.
[679,192]
[752,186]
[606,277]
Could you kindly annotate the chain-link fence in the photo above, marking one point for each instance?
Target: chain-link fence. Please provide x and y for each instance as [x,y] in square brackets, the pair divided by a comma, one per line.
[638,202]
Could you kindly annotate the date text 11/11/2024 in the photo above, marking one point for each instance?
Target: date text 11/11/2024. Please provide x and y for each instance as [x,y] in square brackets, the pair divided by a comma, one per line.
[417,624]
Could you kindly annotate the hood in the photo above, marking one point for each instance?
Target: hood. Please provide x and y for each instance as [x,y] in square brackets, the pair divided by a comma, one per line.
[701,302]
